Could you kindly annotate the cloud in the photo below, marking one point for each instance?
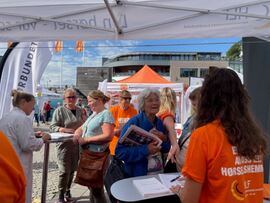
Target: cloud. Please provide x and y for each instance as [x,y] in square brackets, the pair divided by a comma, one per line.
[53,76]
[3,48]
[69,60]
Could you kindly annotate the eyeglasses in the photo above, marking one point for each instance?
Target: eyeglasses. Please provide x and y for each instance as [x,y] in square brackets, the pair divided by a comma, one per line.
[71,97]
[126,98]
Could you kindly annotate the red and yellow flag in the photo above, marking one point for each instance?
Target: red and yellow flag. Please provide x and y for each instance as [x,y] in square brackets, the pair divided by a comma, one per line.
[58,46]
[79,46]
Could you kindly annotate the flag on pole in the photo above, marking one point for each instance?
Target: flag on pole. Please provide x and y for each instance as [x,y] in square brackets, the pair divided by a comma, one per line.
[79,46]
[58,46]
[21,68]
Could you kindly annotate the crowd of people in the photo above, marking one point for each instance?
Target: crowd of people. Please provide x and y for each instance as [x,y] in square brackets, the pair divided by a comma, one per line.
[220,152]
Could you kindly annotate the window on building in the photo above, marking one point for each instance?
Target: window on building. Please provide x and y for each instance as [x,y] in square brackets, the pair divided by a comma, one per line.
[188,72]
[174,58]
[148,57]
[135,58]
[204,72]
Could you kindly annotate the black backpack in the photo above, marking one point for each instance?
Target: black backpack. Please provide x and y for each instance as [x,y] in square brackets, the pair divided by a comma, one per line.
[114,173]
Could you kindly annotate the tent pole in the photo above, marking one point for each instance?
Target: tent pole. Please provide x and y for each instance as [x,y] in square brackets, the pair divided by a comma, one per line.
[119,31]
[61,67]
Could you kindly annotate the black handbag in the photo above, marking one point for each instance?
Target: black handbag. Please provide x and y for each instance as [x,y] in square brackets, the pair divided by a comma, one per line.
[114,173]
[170,167]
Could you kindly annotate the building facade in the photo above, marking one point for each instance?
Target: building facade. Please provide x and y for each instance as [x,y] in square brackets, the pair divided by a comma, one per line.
[89,77]
[182,71]
[175,66]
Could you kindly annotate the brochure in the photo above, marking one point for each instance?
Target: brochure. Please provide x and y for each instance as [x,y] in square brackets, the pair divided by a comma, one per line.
[138,136]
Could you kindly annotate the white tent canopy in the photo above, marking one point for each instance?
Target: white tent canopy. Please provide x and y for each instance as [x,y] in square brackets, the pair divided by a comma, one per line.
[135,88]
[39,20]
[138,87]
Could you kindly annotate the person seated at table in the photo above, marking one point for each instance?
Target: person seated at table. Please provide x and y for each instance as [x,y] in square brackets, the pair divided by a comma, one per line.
[145,159]
[121,114]
[18,127]
[184,139]
[67,119]
[13,181]
[224,161]
[167,115]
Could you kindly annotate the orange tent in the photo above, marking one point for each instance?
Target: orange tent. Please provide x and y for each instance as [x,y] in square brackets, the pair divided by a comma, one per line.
[145,75]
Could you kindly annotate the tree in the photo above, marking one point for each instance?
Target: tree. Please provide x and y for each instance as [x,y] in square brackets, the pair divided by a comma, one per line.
[234,53]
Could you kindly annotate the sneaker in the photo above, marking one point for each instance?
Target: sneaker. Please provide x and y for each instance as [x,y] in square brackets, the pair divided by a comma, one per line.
[68,197]
[69,200]
[60,201]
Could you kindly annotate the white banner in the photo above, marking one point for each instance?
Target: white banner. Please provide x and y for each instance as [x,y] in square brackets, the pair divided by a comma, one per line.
[193,81]
[87,20]
[22,70]
[135,88]
[138,87]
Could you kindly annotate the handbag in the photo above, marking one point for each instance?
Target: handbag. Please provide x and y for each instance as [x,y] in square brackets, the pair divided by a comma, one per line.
[114,173]
[169,166]
[92,166]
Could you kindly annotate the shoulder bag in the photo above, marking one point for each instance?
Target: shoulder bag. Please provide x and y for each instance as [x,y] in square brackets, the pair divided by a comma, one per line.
[92,166]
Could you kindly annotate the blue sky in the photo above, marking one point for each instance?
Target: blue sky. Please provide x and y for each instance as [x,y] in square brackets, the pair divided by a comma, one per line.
[69,59]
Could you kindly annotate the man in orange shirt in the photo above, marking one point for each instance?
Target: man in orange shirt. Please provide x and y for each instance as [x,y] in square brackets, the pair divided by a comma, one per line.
[12,179]
[121,113]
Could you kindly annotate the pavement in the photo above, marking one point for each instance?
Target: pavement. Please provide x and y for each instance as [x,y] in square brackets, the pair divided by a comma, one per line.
[79,193]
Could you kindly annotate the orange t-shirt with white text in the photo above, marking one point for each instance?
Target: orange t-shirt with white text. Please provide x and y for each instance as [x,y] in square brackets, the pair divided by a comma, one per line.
[120,116]
[225,176]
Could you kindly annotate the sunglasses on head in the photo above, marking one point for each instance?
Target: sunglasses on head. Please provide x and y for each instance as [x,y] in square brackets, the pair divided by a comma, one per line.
[71,97]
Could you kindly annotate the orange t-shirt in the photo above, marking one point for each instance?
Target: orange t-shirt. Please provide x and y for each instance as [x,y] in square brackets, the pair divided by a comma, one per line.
[165,114]
[120,116]
[225,176]
[12,178]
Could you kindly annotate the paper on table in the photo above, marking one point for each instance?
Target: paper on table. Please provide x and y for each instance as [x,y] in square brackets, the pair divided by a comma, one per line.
[166,178]
[58,135]
[151,187]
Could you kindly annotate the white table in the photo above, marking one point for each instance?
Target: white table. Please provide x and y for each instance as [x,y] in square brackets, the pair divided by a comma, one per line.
[124,190]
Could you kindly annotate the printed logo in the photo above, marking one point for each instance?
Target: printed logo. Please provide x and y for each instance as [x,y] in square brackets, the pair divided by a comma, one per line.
[236,192]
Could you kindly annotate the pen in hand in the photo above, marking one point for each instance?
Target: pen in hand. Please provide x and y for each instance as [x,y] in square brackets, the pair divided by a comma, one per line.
[166,162]
[174,179]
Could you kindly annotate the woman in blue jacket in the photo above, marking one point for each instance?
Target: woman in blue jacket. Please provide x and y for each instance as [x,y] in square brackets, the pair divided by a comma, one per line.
[147,158]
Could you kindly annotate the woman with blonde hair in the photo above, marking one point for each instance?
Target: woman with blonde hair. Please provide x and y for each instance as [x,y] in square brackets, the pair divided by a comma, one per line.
[94,137]
[18,127]
[167,115]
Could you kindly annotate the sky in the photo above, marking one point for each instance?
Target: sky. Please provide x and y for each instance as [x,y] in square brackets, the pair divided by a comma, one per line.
[68,59]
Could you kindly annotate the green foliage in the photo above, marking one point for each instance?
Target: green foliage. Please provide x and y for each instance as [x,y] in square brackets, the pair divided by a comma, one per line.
[234,52]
